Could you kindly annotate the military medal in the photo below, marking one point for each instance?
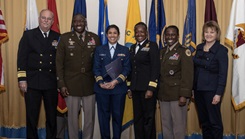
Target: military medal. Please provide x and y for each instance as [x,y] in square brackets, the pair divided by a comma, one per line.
[174,57]
[91,42]
[54,43]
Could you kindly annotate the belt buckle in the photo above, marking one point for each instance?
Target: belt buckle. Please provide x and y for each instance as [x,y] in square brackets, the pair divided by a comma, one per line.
[83,70]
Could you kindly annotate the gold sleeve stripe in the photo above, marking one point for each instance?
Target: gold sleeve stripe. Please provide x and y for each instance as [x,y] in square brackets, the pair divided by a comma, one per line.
[98,78]
[128,83]
[122,77]
[21,74]
[153,84]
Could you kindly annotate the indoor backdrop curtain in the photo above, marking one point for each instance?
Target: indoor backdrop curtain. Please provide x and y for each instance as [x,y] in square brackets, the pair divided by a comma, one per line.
[12,107]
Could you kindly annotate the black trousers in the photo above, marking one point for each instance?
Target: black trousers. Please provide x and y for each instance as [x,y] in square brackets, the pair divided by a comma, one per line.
[33,99]
[209,115]
[144,115]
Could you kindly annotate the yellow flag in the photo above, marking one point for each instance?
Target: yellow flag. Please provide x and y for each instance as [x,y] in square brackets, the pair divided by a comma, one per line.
[133,17]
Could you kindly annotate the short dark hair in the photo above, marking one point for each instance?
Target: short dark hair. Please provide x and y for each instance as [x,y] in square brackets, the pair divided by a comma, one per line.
[173,27]
[142,24]
[79,15]
[113,26]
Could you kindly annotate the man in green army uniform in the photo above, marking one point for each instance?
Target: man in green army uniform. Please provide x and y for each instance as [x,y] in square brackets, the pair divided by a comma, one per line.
[74,74]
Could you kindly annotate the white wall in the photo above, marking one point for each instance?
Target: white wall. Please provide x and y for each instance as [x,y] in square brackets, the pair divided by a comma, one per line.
[117,12]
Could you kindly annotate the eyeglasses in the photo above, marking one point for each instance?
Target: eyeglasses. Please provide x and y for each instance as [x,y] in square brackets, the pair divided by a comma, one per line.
[46,18]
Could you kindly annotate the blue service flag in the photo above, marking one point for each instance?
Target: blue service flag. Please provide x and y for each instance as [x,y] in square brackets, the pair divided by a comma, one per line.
[103,21]
[189,36]
[157,21]
[80,8]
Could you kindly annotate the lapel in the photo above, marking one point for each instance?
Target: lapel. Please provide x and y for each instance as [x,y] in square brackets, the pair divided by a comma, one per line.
[106,50]
[141,46]
[39,36]
[118,50]
[74,37]
[212,52]
[78,42]
[44,43]
[132,49]
[87,38]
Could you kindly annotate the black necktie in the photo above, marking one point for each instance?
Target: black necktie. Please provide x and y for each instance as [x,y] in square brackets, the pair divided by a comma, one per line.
[81,38]
[137,48]
[45,35]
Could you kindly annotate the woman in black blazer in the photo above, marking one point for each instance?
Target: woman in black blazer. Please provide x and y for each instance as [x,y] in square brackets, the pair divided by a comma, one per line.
[211,64]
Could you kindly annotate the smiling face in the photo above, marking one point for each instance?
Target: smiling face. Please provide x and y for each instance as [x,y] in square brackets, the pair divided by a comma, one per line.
[171,36]
[210,35]
[140,33]
[46,19]
[209,30]
[79,23]
[112,35]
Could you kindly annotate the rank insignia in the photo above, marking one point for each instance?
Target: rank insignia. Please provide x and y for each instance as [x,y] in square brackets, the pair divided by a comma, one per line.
[71,42]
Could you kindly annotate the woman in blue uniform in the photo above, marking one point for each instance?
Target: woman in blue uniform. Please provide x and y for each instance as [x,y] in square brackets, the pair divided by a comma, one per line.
[111,91]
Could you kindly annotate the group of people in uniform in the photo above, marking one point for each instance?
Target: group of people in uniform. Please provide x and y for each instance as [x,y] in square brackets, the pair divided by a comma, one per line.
[75,62]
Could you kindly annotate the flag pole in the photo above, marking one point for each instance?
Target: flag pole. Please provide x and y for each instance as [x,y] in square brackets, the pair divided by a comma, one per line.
[237,116]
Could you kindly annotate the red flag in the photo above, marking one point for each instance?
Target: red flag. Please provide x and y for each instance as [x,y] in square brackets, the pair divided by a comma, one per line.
[61,107]
[52,7]
[3,38]
[210,12]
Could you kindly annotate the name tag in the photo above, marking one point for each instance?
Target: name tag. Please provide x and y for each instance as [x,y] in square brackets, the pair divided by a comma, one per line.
[102,54]
[121,55]
[71,46]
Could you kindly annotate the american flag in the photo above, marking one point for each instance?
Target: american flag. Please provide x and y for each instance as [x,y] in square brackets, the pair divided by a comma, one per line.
[3,38]
[3,30]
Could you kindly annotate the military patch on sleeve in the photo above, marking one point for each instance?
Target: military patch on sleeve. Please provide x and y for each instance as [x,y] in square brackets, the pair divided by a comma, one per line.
[188,52]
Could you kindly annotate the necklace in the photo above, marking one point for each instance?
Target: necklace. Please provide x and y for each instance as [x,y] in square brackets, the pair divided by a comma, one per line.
[206,48]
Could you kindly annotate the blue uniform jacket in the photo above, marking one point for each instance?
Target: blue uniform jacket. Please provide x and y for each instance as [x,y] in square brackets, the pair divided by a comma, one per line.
[211,68]
[102,57]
